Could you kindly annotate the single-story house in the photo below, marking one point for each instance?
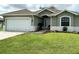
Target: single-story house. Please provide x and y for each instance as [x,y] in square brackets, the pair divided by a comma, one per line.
[26,20]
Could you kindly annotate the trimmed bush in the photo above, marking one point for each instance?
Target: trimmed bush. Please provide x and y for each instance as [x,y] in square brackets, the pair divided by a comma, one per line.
[65,29]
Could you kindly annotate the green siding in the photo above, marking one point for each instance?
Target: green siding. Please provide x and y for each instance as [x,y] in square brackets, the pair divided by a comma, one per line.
[36,20]
[76,21]
[56,19]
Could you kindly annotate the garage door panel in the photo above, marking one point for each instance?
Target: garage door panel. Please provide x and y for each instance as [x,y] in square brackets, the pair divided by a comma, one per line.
[19,24]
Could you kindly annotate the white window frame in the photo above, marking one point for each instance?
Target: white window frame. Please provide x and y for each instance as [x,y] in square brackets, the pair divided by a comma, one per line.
[69,19]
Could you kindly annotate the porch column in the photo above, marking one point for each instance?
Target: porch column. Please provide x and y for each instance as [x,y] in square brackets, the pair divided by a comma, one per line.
[50,22]
[33,20]
[5,23]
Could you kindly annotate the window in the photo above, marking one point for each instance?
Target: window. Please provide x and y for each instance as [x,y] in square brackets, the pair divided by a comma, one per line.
[65,21]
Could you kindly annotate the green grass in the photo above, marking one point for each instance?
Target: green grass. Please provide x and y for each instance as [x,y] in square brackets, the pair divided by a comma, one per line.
[50,43]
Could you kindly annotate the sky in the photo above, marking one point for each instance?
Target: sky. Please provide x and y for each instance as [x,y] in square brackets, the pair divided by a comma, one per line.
[4,8]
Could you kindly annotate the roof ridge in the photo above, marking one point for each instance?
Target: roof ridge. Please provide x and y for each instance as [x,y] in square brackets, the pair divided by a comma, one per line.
[22,9]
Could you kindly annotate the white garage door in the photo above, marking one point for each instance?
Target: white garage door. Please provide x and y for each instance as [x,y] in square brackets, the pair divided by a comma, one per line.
[19,24]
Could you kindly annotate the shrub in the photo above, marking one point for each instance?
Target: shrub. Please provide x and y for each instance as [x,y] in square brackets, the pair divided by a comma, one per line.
[65,29]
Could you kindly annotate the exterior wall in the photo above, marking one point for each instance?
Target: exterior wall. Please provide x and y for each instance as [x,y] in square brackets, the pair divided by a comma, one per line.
[36,20]
[74,22]
[54,21]
[66,14]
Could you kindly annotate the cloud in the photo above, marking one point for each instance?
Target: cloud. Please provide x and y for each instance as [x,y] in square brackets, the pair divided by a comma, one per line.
[4,8]
[74,7]
[12,7]
[62,6]
[18,6]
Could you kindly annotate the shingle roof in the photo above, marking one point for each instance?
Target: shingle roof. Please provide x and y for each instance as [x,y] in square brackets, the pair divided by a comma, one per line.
[52,9]
[19,12]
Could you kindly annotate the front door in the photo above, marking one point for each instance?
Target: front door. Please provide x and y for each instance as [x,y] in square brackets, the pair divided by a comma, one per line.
[46,22]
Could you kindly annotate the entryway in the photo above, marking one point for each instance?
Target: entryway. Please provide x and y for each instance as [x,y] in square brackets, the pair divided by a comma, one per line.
[45,23]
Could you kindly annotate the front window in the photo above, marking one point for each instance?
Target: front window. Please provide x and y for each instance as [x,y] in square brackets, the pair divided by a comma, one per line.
[65,21]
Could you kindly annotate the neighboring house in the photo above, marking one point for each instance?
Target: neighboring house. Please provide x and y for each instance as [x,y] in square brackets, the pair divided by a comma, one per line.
[25,20]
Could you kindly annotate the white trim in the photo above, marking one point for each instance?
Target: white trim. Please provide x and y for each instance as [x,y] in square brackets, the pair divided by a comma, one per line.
[50,10]
[67,11]
[69,20]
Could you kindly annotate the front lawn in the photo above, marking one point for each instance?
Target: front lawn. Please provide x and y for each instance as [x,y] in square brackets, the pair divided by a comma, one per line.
[31,43]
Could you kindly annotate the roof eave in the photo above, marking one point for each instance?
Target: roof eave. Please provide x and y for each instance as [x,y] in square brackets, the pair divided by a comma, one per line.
[67,11]
[16,14]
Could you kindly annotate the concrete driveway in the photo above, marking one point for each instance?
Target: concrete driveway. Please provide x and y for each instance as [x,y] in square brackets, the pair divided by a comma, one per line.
[4,34]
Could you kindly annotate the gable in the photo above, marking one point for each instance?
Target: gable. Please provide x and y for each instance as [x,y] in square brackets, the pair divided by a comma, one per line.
[65,13]
[72,12]
[45,12]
